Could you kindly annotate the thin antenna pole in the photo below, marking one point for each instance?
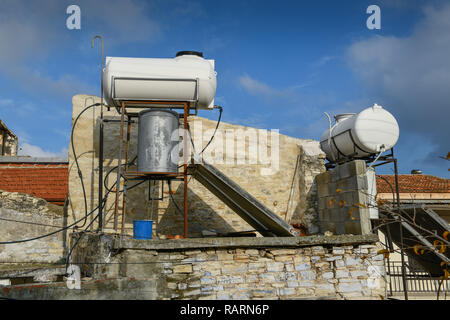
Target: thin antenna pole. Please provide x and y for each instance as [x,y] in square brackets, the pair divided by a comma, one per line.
[402,254]
[100,156]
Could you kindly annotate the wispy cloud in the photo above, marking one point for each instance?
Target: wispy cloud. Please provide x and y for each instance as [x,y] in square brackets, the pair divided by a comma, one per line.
[26,149]
[256,87]
[259,88]
[6,102]
[323,61]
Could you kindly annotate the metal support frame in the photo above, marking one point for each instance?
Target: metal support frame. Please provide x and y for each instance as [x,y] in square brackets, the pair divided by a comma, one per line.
[341,157]
[185,169]
[402,254]
[100,155]
[145,102]
[125,174]
[150,189]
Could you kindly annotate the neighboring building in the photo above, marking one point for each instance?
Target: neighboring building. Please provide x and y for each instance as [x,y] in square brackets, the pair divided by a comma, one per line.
[8,141]
[418,189]
[415,190]
[45,178]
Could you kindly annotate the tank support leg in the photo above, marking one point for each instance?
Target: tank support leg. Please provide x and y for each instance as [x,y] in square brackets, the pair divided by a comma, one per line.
[119,163]
[185,156]
[124,170]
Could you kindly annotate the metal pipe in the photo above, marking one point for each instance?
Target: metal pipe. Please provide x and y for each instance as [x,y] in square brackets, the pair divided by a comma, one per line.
[185,138]
[402,254]
[125,180]
[287,218]
[100,156]
[119,164]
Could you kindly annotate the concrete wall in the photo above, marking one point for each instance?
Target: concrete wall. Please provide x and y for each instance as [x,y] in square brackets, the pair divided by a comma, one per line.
[23,216]
[344,199]
[205,210]
[338,267]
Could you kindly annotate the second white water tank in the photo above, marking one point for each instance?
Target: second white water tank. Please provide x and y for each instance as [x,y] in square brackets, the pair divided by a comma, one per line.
[360,135]
[186,78]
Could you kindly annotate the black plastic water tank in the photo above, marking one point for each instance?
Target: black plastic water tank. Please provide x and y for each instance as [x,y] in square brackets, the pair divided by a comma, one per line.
[190,53]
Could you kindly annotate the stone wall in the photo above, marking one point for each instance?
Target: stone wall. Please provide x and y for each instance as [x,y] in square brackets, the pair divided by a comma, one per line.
[206,211]
[23,216]
[8,141]
[337,267]
[344,199]
[311,165]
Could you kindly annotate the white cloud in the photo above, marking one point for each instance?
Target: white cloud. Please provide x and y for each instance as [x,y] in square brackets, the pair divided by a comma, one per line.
[323,61]
[411,75]
[256,87]
[6,102]
[27,149]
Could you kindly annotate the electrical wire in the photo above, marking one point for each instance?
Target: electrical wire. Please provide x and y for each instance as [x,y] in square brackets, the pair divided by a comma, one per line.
[177,207]
[114,168]
[329,135]
[51,233]
[108,189]
[215,130]
[212,137]
[82,186]
[80,175]
[32,223]
[69,255]
[103,205]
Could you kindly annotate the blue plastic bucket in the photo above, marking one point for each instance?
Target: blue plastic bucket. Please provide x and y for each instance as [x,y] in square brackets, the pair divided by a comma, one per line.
[142,229]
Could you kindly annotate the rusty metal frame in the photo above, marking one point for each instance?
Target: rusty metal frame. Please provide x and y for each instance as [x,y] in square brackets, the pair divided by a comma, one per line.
[134,175]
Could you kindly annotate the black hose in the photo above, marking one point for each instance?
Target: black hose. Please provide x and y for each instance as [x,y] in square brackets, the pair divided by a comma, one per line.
[103,204]
[80,175]
[111,170]
[173,200]
[52,233]
[81,234]
[212,137]
[390,185]
[217,126]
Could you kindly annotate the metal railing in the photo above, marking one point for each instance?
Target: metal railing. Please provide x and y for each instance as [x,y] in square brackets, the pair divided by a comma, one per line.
[416,281]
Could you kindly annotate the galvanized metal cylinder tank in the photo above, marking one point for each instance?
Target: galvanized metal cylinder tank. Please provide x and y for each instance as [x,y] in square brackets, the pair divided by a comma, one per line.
[158,141]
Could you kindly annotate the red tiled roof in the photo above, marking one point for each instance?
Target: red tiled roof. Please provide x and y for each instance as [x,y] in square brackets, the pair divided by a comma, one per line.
[46,181]
[414,183]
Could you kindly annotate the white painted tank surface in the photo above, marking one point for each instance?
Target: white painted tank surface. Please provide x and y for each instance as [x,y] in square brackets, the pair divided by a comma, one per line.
[360,135]
[186,78]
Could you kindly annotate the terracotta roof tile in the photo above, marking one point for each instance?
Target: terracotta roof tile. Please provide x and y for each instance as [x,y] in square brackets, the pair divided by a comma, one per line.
[414,183]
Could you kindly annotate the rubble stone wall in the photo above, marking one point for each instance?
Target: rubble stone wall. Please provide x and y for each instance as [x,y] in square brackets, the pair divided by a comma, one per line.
[23,216]
[337,267]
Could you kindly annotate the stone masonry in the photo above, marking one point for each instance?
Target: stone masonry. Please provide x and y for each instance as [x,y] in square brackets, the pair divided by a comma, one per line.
[337,267]
[23,216]
[9,143]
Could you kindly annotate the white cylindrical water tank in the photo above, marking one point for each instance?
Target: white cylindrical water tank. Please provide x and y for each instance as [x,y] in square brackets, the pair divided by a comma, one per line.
[360,135]
[186,78]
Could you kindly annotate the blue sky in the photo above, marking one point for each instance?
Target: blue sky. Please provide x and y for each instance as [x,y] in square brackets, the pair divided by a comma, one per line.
[280,64]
